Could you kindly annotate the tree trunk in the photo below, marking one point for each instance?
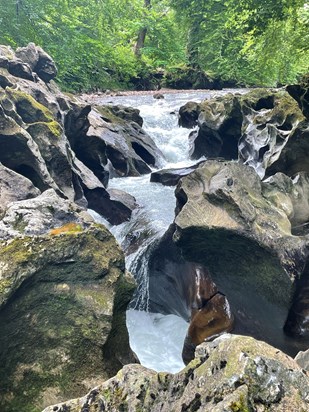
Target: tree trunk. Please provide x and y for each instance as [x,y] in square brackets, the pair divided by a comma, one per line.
[193,41]
[142,34]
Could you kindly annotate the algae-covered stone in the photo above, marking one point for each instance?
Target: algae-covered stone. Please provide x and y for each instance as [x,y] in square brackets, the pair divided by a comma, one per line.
[228,221]
[59,295]
[232,373]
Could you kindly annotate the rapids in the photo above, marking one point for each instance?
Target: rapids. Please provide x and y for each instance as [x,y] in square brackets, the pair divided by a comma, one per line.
[156,339]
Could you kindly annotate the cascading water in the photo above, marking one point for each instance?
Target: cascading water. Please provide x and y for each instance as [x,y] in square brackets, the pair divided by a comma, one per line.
[157,339]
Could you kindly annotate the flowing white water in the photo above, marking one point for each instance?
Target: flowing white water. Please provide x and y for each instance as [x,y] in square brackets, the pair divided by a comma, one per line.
[156,339]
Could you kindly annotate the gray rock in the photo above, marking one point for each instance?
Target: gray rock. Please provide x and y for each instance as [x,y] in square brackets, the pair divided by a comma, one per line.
[188,115]
[14,187]
[63,298]
[28,54]
[38,216]
[262,128]
[170,177]
[231,373]
[127,113]
[228,221]
[302,359]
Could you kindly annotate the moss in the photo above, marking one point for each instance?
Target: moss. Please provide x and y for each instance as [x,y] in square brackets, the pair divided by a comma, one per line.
[240,406]
[17,252]
[5,284]
[60,314]
[52,128]
[28,108]
[109,117]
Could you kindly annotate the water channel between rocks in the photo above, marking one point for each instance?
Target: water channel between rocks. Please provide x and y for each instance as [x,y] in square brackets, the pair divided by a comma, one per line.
[156,339]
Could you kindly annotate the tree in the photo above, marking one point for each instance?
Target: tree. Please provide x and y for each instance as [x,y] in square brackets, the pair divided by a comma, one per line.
[140,42]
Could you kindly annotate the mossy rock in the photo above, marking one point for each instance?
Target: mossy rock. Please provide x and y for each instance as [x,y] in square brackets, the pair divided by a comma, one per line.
[28,108]
[232,373]
[60,301]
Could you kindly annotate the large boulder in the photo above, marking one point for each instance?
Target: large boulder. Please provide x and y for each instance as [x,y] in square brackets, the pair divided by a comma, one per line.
[36,139]
[63,297]
[232,373]
[219,121]
[261,128]
[170,177]
[240,229]
[37,215]
[110,140]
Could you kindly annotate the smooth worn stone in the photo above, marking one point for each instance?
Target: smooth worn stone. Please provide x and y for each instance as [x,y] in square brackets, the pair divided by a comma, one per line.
[230,222]
[63,298]
[170,177]
[232,373]
[261,128]
[188,115]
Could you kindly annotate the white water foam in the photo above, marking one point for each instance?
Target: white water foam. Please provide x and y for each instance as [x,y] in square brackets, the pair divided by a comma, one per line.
[156,339]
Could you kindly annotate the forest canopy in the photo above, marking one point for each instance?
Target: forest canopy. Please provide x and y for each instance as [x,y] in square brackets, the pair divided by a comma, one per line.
[100,44]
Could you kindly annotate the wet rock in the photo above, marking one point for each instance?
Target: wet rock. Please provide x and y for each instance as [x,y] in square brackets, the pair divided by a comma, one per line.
[90,149]
[294,154]
[183,288]
[188,115]
[230,373]
[261,128]
[228,221]
[212,318]
[127,113]
[129,149]
[170,177]
[158,96]
[124,197]
[36,122]
[219,122]
[270,122]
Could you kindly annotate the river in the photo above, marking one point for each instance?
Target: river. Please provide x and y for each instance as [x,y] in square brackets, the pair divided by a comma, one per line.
[156,339]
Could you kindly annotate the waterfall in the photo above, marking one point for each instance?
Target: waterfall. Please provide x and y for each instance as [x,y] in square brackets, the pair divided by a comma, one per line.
[156,339]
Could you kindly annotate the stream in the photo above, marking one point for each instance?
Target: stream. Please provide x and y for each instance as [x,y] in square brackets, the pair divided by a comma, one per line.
[156,339]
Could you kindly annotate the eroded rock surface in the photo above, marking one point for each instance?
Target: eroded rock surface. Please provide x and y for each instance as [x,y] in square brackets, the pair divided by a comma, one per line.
[61,143]
[240,229]
[59,314]
[232,373]
[262,128]
[63,285]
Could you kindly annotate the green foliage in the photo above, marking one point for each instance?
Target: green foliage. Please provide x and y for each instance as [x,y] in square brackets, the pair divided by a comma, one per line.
[257,42]
[263,42]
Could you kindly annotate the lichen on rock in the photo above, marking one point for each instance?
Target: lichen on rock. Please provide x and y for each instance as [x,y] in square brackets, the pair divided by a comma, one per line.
[58,295]
[232,373]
